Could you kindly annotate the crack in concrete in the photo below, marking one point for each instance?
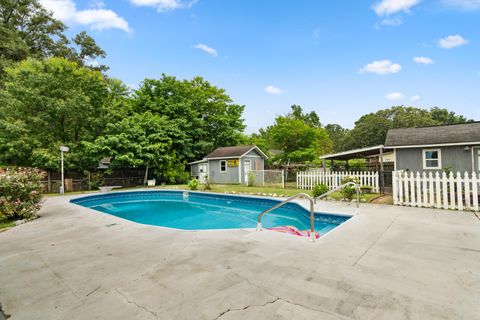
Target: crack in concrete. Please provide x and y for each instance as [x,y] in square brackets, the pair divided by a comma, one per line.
[283,299]
[380,237]
[136,304]
[93,291]
[246,307]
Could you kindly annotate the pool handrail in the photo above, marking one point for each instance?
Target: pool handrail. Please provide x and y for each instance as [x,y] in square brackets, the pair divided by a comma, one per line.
[357,189]
[298,195]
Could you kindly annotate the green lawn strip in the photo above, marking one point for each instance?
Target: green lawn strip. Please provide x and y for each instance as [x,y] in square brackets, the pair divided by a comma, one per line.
[4,223]
[234,188]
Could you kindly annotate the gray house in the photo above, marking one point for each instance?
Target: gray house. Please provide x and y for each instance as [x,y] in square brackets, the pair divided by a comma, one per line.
[229,165]
[455,147]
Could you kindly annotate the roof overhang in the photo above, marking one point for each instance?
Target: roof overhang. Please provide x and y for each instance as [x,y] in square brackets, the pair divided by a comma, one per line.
[199,161]
[435,145]
[258,150]
[356,153]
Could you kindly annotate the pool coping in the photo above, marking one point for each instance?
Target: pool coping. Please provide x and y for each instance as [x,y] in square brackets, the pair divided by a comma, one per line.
[301,204]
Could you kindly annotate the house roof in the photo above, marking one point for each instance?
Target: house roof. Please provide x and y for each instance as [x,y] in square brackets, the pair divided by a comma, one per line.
[355,154]
[434,135]
[236,151]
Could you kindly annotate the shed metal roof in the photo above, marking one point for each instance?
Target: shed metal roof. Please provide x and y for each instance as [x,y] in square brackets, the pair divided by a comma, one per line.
[434,135]
[355,154]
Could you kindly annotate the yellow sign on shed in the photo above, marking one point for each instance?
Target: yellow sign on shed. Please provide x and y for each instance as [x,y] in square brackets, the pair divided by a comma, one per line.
[233,163]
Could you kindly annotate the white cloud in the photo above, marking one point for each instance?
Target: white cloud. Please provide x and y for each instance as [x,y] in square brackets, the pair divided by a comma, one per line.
[273,90]
[387,7]
[394,22]
[463,4]
[452,42]
[395,96]
[422,60]
[96,18]
[164,5]
[381,67]
[415,98]
[207,49]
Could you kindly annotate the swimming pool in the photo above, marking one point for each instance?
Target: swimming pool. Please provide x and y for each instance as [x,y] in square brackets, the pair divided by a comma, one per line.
[205,211]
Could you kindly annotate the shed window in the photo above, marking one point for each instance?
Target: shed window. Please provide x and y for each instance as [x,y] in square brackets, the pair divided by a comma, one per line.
[223,165]
[432,159]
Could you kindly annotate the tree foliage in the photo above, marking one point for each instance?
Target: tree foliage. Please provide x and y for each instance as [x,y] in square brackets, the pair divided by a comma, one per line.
[371,129]
[45,104]
[27,30]
[145,140]
[298,135]
[210,117]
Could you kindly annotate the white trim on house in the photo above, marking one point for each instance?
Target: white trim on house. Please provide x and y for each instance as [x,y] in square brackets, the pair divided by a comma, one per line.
[258,150]
[226,167]
[439,159]
[435,145]
[199,161]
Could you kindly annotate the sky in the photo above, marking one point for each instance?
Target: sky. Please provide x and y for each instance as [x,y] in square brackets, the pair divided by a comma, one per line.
[340,58]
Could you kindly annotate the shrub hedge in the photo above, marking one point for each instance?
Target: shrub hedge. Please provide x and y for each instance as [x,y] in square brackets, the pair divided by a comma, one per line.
[20,192]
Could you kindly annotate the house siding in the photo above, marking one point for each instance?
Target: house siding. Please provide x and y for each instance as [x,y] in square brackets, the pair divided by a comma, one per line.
[215,176]
[453,157]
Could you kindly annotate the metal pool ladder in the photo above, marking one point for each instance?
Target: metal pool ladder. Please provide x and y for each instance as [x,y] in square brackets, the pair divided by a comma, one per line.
[299,195]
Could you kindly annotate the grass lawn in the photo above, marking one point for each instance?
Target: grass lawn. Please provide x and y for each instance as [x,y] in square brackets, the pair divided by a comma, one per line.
[289,191]
[4,223]
[237,188]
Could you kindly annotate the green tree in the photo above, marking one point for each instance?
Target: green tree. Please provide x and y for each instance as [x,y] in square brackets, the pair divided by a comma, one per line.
[211,118]
[371,129]
[300,136]
[45,104]
[147,141]
[339,136]
[28,30]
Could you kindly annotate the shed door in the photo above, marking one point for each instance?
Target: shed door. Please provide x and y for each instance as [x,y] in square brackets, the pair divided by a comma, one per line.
[202,172]
[247,166]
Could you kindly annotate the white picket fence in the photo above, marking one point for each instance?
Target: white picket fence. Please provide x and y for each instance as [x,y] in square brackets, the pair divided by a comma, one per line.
[434,190]
[309,179]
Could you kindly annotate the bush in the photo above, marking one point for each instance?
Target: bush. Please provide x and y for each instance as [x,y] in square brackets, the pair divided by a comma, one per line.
[320,189]
[366,189]
[20,192]
[251,179]
[206,185]
[193,184]
[349,191]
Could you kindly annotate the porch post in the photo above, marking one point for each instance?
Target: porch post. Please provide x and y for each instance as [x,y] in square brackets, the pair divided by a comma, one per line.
[381,175]
[324,165]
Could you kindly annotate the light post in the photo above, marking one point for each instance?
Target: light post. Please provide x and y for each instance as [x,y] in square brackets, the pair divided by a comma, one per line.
[62,150]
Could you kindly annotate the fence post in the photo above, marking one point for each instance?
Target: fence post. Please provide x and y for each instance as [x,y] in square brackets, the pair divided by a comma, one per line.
[400,188]
[452,191]
[467,191]
[445,190]
[394,187]
[459,192]
[430,190]
[475,191]
[438,199]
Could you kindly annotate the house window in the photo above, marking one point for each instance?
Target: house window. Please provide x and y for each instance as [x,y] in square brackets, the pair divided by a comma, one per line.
[223,165]
[432,159]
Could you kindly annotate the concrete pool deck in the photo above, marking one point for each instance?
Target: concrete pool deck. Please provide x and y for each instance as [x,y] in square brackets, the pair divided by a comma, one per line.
[385,263]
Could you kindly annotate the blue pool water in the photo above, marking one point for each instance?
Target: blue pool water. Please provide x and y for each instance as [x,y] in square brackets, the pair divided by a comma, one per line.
[204,211]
